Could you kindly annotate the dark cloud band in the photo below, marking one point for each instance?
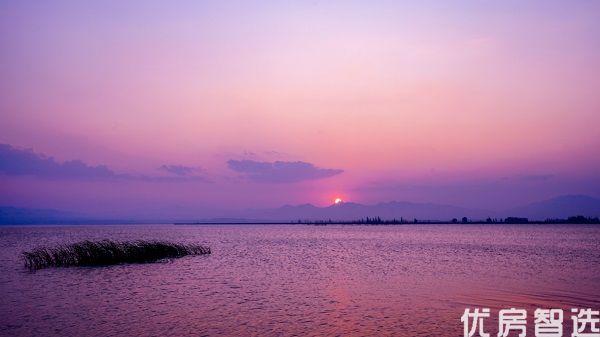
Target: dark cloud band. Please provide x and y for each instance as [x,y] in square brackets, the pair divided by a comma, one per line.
[19,162]
[280,171]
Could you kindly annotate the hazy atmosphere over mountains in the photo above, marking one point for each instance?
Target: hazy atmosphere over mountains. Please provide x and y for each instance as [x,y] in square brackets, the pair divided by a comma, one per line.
[559,207]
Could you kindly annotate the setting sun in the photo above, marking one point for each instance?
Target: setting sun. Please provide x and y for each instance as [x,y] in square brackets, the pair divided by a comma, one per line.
[338,201]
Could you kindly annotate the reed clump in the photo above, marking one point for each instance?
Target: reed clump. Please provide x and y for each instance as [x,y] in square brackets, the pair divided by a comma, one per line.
[108,252]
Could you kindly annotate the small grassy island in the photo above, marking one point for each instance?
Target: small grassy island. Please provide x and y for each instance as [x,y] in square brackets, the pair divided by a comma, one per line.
[108,252]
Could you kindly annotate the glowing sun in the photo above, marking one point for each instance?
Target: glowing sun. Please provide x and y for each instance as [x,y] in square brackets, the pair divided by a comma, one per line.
[338,201]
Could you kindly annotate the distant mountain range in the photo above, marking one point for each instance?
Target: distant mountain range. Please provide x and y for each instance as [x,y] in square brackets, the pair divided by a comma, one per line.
[33,216]
[351,211]
[559,207]
[18,215]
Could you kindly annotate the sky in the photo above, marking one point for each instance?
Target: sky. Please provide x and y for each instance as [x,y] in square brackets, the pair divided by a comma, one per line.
[185,107]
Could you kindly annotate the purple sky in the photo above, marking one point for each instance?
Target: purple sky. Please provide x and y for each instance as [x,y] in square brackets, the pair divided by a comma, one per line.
[151,107]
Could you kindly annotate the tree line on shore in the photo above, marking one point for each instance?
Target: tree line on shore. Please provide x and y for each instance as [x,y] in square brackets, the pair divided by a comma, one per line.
[579,219]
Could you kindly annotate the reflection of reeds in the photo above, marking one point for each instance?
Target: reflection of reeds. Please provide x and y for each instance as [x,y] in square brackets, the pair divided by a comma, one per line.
[106,252]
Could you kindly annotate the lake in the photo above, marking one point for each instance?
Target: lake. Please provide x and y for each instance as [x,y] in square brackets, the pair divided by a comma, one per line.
[283,280]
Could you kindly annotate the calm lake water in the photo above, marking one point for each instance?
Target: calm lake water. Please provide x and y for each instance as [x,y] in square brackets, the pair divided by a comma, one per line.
[283,280]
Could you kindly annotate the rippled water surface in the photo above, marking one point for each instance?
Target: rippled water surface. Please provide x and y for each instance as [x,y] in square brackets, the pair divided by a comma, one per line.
[282,280]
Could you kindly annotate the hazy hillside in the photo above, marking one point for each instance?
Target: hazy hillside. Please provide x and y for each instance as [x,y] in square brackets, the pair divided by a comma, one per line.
[560,207]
